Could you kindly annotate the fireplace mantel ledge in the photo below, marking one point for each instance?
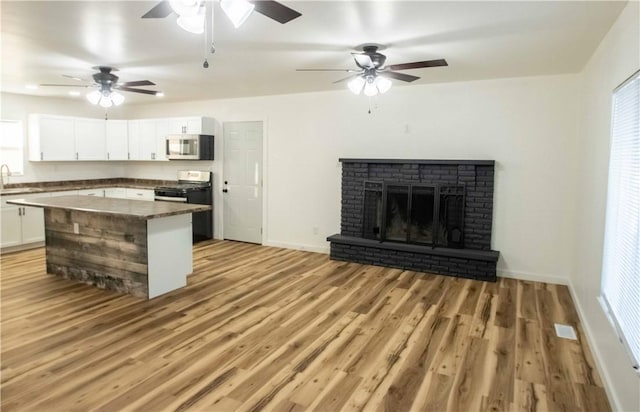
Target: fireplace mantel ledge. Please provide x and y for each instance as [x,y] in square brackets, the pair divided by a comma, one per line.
[485,255]
[420,161]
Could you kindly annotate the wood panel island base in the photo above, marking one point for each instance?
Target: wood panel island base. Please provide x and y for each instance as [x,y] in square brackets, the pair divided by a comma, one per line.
[137,247]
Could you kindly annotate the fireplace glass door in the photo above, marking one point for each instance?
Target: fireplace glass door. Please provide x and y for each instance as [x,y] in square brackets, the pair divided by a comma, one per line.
[372,213]
[414,213]
[421,225]
[397,212]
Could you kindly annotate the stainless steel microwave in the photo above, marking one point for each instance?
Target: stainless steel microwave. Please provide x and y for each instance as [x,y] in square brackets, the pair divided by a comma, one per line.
[189,147]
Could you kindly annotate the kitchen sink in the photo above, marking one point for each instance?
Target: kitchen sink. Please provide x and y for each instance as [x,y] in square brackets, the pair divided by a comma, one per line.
[20,190]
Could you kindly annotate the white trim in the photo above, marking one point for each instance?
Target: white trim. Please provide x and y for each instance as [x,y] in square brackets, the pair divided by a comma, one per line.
[597,356]
[530,276]
[297,246]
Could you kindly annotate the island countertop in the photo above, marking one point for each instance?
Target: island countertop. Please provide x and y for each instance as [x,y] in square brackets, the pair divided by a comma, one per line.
[140,209]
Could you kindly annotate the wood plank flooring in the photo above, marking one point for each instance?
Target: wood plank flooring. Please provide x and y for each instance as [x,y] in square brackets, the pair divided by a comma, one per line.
[260,328]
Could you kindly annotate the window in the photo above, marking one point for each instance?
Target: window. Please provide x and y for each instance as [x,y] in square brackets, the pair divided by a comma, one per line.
[621,260]
[11,149]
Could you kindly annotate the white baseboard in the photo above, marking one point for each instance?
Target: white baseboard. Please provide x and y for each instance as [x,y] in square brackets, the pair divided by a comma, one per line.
[535,277]
[297,246]
[606,380]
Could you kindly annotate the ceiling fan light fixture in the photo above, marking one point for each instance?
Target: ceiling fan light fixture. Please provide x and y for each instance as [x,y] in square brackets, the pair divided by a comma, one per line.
[237,10]
[192,24]
[356,84]
[383,84]
[116,98]
[185,8]
[105,102]
[94,97]
[370,88]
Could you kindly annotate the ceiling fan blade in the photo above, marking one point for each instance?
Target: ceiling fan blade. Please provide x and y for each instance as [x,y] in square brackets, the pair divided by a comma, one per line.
[399,76]
[363,60]
[159,11]
[276,11]
[129,89]
[347,78]
[63,85]
[135,83]
[327,70]
[418,65]
[74,78]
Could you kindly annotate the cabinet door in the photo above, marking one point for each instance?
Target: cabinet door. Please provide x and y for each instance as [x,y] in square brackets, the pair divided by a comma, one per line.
[162,130]
[11,230]
[140,194]
[117,140]
[32,224]
[91,192]
[194,125]
[90,139]
[116,192]
[57,140]
[147,139]
[177,125]
[134,139]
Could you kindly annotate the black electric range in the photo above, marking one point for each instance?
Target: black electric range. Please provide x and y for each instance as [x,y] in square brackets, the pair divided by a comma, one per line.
[193,187]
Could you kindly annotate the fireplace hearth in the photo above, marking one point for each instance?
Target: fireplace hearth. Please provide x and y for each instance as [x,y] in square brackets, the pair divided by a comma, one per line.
[424,215]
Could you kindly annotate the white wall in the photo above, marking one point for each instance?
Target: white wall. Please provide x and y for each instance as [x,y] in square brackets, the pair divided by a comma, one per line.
[17,107]
[617,57]
[528,125]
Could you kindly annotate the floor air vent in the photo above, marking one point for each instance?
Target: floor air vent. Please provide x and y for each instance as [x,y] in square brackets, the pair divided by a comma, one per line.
[565,331]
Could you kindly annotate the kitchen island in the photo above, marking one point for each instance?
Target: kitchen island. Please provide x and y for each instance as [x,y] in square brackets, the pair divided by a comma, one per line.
[137,247]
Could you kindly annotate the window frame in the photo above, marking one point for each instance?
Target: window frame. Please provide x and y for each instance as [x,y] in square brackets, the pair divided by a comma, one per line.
[612,210]
[20,149]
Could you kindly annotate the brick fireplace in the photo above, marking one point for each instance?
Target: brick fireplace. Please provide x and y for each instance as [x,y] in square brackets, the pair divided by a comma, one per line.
[424,215]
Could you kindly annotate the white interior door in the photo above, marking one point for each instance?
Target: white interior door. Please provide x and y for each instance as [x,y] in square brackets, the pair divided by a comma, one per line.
[242,181]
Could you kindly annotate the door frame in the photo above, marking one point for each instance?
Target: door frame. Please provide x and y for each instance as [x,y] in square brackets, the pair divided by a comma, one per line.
[265,177]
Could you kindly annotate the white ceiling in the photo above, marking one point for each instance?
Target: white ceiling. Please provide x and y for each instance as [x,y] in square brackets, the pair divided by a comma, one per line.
[480,40]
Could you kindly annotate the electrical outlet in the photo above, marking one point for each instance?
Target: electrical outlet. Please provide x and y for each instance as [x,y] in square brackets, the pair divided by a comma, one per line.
[76,228]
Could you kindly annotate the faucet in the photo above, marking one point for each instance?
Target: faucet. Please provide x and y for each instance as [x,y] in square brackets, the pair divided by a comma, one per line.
[4,165]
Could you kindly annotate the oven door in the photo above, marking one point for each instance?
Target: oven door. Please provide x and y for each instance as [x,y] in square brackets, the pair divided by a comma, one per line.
[170,195]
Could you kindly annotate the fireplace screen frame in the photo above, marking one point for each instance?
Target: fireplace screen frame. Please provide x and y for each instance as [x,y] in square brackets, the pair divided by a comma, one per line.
[380,190]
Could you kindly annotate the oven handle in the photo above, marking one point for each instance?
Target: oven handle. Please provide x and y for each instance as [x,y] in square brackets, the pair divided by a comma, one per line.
[171,199]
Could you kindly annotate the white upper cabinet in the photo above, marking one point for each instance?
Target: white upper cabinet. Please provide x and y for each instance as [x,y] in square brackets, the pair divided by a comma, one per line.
[162,130]
[191,125]
[146,139]
[63,138]
[51,138]
[117,140]
[90,139]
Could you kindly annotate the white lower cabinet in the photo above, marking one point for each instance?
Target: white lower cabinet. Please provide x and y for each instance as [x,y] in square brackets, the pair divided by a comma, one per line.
[115,192]
[21,225]
[91,192]
[140,194]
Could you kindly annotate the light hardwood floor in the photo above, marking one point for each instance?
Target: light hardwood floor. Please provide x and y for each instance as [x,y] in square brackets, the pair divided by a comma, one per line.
[262,328]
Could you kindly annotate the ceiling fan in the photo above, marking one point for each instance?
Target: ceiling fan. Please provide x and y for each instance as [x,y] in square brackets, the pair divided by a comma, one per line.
[191,12]
[373,76]
[107,86]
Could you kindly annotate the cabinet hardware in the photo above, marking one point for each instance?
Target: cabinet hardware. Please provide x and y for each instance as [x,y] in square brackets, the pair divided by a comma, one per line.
[108,156]
[19,211]
[77,156]
[153,156]
[24,211]
[128,156]
[41,155]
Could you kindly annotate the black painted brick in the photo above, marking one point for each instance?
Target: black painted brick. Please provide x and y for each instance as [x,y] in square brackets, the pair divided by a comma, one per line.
[467,268]
[477,179]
